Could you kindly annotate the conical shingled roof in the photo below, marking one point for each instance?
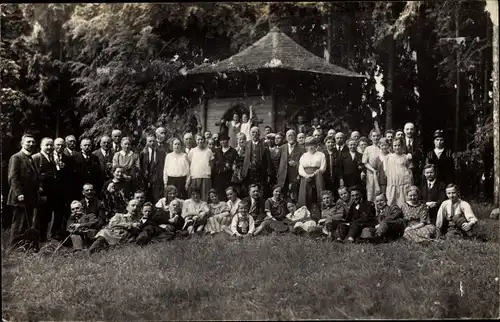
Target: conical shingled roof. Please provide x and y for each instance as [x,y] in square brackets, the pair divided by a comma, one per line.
[274,51]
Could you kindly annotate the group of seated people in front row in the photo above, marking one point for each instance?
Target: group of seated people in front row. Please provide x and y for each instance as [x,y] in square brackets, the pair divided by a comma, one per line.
[350,219]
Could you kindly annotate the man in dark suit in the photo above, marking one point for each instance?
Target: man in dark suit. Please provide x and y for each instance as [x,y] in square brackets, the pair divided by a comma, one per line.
[116,136]
[257,208]
[340,146]
[24,187]
[92,205]
[361,215]
[44,160]
[70,149]
[256,164]
[105,157]
[151,162]
[87,167]
[161,140]
[64,178]
[433,191]
[352,170]
[288,170]
[411,145]
[331,176]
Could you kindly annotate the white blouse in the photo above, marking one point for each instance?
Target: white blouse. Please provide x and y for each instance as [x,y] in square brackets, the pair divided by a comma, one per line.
[200,163]
[312,160]
[176,165]
[233,206]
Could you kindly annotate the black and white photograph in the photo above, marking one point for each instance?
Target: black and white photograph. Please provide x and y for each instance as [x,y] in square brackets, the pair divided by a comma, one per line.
[250,160]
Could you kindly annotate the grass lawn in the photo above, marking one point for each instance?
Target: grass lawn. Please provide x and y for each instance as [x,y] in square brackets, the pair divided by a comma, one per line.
[269,277]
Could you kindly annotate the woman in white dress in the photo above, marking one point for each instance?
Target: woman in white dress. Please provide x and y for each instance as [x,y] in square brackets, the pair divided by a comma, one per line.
[246,124]
[176,168]
[370,160]
[312,164]
[399,175]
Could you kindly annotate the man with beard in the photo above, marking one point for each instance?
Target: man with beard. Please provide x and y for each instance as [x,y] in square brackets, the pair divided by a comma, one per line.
[288,170]
[24,187]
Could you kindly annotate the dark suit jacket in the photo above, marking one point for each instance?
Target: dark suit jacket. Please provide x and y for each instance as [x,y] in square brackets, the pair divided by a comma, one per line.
[416,158]
[335,176]
[23,180]
[350,170]
[103,160]
[97,208]
[47,175]
[264,160]
[259,213]
[92,174]
[152,174]
[437,193]
[284,170]
[344,150]
[66,152]
[365,215]
[445,165]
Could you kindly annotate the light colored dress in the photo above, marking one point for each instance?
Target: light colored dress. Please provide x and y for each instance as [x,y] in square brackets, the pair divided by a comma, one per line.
[310,191]
[303,218]
[117,231]
[219,216]
[413,215]
[233,206]
[129,161]
[399,178]
[245,129]
[233,129]
[371,156]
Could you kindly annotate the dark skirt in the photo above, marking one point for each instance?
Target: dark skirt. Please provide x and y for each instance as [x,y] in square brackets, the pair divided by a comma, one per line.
[180,184]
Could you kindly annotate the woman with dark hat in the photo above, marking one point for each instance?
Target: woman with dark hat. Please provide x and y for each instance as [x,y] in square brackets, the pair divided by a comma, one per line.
[442,158]
[312,164]
[224,164]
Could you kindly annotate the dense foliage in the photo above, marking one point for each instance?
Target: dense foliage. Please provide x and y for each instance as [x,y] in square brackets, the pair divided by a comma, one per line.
[85,68]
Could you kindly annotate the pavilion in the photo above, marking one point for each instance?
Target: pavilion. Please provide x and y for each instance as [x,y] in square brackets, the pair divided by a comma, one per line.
[259,76]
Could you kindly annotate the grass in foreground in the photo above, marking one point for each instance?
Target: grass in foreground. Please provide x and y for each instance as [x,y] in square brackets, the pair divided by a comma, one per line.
[271,277]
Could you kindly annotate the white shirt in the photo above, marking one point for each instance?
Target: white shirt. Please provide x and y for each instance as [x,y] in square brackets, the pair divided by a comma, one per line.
[151,156]
[460,207]
[291,147]
[312,160]
[409,141]
[26,152]
[57,159]
[104,153]
[340,147]
[176,165]
[116,147]
[353,154]
[200,163]
[430,184]
[438,152]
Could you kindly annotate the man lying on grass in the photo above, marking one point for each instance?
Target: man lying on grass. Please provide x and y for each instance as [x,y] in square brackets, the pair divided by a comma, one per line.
[160,223]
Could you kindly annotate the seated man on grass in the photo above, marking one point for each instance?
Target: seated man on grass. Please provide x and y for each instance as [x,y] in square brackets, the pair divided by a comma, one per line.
[391,224]
[160,223]
[257,208]
[81,226]
[121,228]
[455,218]
[361,215]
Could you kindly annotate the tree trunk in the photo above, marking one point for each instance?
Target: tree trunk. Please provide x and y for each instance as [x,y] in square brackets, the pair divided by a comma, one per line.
[389,90]
[457,92]
[496,107]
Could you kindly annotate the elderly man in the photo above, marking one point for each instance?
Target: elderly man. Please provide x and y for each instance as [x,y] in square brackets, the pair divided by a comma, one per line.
[340,147]
[70,149]
[188,142]
[411,145]
[24,185]
[105,156]
[44,161]
[152,162]
[355,135]
[161,140]
[87,167]
[64,177]
[92,205]
[116,136]
[81,226]
[257,162]
[288,170]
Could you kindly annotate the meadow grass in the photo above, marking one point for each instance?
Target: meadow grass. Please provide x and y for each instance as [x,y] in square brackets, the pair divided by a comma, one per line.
[277,277]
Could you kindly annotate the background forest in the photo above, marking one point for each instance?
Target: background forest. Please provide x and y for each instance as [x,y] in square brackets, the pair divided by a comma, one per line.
[84,68]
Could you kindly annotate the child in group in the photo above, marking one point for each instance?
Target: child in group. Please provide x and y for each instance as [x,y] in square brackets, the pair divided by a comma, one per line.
[399,175]
[242,223]
[300,219]
[455,218]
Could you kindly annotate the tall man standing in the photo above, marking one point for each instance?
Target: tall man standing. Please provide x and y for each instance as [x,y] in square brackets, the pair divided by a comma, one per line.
[64,177]
[412,146]
[70,149]
[87,167]
[288,170]
[44,160]
[105,157]
[151,162]
[24,187]
[161,141]
[257,163]
[116,135]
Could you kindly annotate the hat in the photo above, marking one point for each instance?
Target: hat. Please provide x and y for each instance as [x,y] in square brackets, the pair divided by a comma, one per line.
[270,136]
[311,140]
[223,137]
[439,134]
[278,226]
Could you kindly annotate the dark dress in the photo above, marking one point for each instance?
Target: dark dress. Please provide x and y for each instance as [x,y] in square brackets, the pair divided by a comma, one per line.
[445,165]
[223,170]
[277,208]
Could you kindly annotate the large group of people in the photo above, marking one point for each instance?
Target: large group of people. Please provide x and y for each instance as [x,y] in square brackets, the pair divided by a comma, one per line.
[308,180]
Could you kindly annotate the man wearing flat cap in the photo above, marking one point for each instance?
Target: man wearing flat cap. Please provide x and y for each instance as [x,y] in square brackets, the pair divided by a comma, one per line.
[223,166]
[442,158]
